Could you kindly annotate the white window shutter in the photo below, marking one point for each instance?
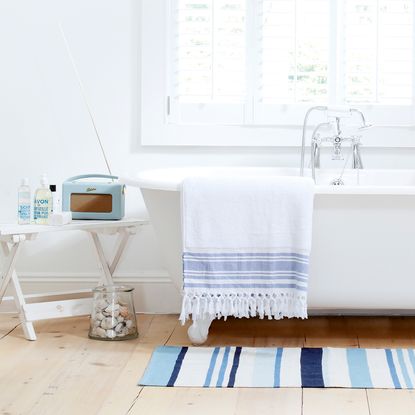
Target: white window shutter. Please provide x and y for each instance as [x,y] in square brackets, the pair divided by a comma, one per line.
[208,83]
[264,62]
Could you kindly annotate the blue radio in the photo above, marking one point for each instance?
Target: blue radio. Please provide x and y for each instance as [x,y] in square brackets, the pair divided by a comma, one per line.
[94,199]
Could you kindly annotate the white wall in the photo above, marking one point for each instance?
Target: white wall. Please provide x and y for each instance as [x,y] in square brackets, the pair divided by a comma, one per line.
[44,127]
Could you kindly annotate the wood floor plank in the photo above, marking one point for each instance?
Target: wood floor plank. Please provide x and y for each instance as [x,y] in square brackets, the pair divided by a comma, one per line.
[381,332]
[256,333]
[30,367]
[269,401]
[202,401]
[222,401]
[65,372]
[329,332]
[107,373]
[125,390]
[185,401]
[335,401]
[93,380]
[7,323]
[389,401]
[179,336]
[278,333]
[232,332]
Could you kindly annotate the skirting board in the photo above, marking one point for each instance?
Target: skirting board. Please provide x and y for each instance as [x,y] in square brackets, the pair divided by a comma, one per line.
[154,291]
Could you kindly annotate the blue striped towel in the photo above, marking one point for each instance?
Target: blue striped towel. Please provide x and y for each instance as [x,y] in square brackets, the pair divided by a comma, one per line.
[246,246]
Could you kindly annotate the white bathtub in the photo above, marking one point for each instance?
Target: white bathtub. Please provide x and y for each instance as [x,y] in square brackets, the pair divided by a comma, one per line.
[363,252]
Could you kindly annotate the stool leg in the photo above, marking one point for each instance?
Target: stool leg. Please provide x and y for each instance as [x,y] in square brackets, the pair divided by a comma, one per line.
[27,326]
[102,262]
[8,268]
[122,240]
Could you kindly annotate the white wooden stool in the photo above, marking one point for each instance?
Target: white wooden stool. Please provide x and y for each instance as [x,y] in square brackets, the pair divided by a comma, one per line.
[12,237]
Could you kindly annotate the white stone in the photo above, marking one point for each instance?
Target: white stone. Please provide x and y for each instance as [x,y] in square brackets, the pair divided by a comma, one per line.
[99,316]
[100,332]
[112,308]
[111,334]
[119,327]
[120,319]
[129,324]
[124,311]
[102,304]
[96,323]
[108,323]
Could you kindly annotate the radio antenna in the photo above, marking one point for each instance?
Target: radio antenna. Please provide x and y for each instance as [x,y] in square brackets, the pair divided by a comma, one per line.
[81,87]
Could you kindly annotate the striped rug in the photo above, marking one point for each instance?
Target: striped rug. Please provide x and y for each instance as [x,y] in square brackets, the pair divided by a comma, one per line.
[255,367]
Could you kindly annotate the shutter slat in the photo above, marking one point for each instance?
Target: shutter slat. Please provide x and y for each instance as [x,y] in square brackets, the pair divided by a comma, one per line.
[210,51]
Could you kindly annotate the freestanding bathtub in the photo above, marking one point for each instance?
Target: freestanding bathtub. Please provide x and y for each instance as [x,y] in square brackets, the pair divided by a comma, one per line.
[363,249]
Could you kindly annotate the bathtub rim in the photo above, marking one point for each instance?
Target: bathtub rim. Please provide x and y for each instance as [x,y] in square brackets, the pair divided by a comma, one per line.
[150,179]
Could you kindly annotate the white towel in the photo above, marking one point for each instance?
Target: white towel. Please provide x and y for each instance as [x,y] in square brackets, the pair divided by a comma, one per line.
[246,243]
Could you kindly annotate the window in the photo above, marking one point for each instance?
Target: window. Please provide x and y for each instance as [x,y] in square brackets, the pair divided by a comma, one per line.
[264,62]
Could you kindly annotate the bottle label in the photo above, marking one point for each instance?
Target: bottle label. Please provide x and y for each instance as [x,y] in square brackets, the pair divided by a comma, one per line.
[41,209]
[24,212]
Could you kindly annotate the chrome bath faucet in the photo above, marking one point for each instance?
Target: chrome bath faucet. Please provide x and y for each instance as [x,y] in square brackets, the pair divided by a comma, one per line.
[331,132]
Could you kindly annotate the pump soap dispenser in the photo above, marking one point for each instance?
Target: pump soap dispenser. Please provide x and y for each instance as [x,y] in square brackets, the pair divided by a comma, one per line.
[43,202]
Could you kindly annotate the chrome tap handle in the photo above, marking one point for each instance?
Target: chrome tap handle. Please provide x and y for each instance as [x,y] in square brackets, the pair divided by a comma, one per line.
[337,149]
[357,159]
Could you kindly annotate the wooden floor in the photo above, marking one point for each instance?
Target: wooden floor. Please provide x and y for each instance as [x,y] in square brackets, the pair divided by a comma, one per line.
[64,372]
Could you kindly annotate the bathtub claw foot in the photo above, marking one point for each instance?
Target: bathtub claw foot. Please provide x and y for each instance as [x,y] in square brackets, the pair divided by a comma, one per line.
[198,332]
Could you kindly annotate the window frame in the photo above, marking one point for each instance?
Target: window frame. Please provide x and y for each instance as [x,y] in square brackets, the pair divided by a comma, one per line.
[159,116]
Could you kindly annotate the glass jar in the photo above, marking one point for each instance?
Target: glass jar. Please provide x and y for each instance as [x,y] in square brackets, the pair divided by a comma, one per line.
[113,314]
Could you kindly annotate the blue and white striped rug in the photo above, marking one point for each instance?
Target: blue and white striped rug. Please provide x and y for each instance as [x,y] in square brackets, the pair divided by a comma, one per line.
[255,367]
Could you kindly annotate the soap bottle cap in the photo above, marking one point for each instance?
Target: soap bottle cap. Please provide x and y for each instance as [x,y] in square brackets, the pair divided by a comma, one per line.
[25,182]
[44,180]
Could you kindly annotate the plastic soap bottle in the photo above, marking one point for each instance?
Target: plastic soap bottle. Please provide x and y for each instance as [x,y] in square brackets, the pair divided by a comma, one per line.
[43,202]
[23,203]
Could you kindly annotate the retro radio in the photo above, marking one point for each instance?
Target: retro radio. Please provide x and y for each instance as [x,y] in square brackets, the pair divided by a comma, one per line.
[94,199]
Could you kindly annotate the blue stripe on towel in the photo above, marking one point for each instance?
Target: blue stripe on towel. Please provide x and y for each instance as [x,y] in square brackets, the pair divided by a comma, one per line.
[209,285]
[250,266]
[177,366]
[392,369]
[244,277]
[311,369]
[223,367]
[235,366]
[277,367]
[161,366]
[358,368]
[211,367]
